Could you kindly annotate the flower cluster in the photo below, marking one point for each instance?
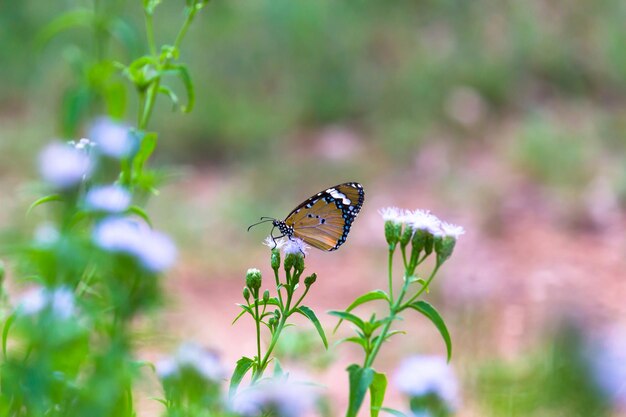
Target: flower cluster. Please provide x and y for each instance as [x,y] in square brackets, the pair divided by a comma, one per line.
[154,250]
[60,302]
[289,246]
[73,169]
[422,375]
[194,358]
[275,397]
[422,229]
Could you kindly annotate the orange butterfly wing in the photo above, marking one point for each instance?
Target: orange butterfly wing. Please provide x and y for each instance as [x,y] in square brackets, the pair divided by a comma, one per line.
[324,220]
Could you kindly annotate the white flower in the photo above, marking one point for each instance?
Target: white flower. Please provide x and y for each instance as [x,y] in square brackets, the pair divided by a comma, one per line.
[166,368]
[295,246]
[113,138]
[192,356]
[82,145]
[422,375]
[449,230]
[423,220]
[33,301]
[109,198]
[274,243]
[275,398]
[60,301]
[46,234]
[63,166]
[607,356]
[392,214]
[154,250]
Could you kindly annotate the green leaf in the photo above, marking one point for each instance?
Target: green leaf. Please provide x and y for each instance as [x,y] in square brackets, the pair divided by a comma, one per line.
[391,333]
[344,315]
[43,200]
[357,340]
[141,213]
[243,366]
[163,89]
[147,146]
[370,296]
[360,381]
[278,370]
[115,99]
[308,313]
[5,333]
[185,78]
[245,309]
[377,393]
[72,19]
[393,412]
[430,312]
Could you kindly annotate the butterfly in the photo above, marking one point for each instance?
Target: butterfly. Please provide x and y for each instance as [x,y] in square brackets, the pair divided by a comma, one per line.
[323,220]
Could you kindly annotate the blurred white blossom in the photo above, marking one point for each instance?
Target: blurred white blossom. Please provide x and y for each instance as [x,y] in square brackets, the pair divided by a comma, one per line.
[423,375]
[274,243]
[607,355]
[277,398]
[423,220]
[60,301]
[153,249]
[109,198]
[113,139]
[84,144]
[449,230]
[192,357]
[46,234]
[63,166]
[392,214]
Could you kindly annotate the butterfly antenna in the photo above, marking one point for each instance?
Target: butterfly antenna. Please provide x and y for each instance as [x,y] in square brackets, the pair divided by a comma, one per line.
[263,220]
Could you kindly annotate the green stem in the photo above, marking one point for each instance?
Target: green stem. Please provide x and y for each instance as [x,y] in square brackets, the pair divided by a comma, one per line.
[191,13]
[391,275]
[280,295]
[150,33]
[257,320]
[281,324]
[146,113]
[424,287]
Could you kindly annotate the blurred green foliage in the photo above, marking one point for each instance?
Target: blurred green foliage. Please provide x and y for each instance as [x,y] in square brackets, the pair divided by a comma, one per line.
[266,69]
[556,380]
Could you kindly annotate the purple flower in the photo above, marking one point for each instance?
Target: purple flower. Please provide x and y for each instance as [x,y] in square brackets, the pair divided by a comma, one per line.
[153,249]
[64,166]
[60,301]
[276,398]
[423,375]
[192,356]
[114,139]
[108,198]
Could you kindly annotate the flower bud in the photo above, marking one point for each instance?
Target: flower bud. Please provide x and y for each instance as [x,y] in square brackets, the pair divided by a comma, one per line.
[271,322]
[405,238]
[419,239]
[266,296]
[391,233]
[277,314]
[253,280]
[310,280]
[275,259]
[246,293]
[444,248]
[290,260]
[299,263]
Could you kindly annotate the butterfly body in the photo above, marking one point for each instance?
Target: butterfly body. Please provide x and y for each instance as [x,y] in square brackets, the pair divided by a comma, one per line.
[324,220]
